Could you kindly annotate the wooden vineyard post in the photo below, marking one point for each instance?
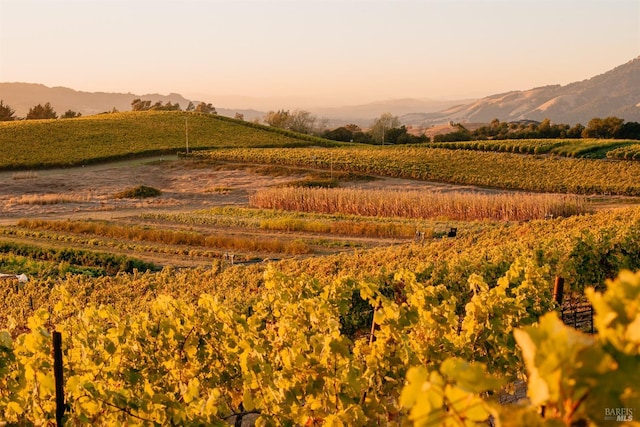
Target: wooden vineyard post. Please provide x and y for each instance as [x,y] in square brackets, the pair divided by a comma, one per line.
[558,290]
[57,373]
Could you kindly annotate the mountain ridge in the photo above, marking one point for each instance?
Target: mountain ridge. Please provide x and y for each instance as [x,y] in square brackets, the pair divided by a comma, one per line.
[612,93]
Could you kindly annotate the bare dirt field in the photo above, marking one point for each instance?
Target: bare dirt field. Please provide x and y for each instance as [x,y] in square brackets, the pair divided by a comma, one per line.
[186,185]
[88,192]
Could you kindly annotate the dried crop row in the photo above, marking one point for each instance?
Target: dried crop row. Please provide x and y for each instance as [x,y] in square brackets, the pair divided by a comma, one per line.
[420,204]
[269,219]
[171,237]
[112,245]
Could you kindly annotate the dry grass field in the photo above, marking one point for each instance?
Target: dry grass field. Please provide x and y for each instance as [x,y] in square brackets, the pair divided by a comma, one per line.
[190,191]
[187,186]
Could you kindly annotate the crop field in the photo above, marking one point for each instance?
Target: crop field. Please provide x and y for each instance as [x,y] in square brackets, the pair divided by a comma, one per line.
[49,143]
[498,170]
[271,280]
[627,152]
[417,204]
[587,148]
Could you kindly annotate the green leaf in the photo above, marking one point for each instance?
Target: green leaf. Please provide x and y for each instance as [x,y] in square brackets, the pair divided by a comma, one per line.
[416,377]
[471,377]
[247,400]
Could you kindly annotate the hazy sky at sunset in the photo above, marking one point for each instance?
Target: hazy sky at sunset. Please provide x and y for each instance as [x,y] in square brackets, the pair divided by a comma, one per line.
[314,52]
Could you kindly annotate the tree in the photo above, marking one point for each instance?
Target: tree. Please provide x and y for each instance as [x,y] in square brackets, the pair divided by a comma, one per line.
[7,114]
[277,119]
[321,125]
[139,105]
[339,134]
[41,112]
[602,128]
[203,107]
[629,130]
[383,124]
[391,135]
[69,114]
[239,116]
[191,107]
[575,131]
[299,121]
[401,135]
[168,106]
[459,135]
[302,121]
[347,133]
[548,130]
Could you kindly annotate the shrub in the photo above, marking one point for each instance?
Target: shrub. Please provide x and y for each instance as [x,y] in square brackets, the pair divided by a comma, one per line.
[139,192]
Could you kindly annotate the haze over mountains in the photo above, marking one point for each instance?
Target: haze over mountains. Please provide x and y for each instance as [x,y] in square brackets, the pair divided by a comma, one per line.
[614,93]
[22,96]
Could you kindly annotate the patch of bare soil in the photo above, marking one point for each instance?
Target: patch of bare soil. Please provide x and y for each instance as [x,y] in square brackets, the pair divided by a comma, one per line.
[84,192]
[186,185]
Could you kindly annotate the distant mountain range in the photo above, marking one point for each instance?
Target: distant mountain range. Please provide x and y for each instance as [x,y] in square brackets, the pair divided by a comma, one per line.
[614,93]
[22,96]
[364,114]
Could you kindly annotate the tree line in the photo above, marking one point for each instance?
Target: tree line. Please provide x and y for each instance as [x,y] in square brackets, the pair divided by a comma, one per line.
[145,105]
[607,128]
[385,129]
[39,111]
[46,111]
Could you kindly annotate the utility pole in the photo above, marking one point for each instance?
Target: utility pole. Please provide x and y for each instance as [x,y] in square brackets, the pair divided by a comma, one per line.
[186,132]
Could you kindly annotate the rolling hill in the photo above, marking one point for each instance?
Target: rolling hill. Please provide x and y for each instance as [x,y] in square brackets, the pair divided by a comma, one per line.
[614,93]
[65,142]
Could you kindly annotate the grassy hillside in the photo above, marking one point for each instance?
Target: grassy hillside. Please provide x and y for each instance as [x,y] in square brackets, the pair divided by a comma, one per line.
[49,143]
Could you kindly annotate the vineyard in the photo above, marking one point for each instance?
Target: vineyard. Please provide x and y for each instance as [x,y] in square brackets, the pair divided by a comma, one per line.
[91,139]
[315,286]
[629,152]
[280,353]
[589,148]
[500,170]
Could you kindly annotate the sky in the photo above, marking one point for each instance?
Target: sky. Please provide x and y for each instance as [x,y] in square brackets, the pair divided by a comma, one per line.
[314,52]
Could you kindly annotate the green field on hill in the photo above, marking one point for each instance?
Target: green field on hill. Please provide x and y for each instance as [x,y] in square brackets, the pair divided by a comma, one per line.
[50,143]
